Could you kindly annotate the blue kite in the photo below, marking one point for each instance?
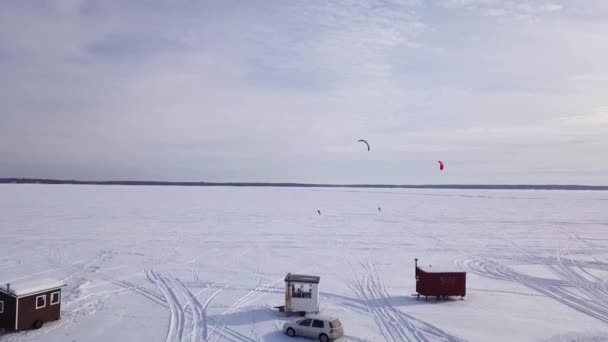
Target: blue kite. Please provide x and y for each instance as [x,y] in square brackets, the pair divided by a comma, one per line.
[365,142]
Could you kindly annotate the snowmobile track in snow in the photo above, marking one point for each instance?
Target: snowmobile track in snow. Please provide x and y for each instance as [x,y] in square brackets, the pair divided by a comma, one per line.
[248,298]
[173,290]
[394,325]
[594,301]
[176,321]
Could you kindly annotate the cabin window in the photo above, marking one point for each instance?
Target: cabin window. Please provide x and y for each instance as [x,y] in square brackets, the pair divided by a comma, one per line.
[301,291]
[55,298]
[1,306]
[40,301]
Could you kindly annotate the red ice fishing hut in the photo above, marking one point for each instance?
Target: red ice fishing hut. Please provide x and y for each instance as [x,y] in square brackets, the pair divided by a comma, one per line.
[30,304]
[440,283]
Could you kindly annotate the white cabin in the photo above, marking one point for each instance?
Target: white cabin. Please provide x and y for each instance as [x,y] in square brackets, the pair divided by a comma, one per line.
[301,293]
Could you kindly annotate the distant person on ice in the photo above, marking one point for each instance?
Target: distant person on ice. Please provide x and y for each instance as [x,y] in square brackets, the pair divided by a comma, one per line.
[319,211]
[379,209]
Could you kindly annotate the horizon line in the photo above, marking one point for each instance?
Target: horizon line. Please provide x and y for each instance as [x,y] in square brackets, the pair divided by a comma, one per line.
[523,186]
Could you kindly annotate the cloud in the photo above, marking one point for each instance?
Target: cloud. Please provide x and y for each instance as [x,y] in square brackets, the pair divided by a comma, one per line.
[268,91]
[515,9]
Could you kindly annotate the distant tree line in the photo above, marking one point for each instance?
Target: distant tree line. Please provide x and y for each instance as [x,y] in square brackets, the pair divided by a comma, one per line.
[304,185]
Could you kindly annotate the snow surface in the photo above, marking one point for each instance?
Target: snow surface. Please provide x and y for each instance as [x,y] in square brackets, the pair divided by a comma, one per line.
[196,263]
[24,288]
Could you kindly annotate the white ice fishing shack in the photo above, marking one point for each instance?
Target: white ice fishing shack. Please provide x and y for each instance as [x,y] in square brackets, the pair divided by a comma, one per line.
[301,294]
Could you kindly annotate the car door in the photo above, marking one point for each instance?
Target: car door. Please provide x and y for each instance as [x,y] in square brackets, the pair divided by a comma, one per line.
[303,328]
[316,328]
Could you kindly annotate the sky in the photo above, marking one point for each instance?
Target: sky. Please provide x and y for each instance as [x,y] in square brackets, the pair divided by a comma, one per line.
[506,92]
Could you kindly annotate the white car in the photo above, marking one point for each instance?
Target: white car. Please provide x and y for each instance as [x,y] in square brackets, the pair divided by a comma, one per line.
[319,327]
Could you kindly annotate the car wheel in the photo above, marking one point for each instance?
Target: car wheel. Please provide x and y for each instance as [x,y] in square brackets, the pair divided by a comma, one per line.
[291,332]
[323,338]
[37,324]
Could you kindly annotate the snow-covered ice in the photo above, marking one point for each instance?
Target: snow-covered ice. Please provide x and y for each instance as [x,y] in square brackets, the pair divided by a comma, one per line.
[208,263]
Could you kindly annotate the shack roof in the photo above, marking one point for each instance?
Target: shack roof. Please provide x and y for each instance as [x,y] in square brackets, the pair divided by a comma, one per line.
[26,288]
[438,269]
[301,278]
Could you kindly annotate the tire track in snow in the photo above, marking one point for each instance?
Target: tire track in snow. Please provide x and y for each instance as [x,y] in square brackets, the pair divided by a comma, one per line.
[591,246]
[192,309]
[395,325]
[392,332]
[176,320]
[578,263]
[168,298]
[582,337]
[149,294]
[232,334]
[248,298]
[591,303]
[596,300]
[194,272]
[594,290]
[78,278]
[198,311]
[198,314]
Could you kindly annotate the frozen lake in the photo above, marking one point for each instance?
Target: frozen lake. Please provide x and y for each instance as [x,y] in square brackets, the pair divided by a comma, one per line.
[141,263]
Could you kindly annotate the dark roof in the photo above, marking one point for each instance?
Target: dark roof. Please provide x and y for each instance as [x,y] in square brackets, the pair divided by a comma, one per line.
[301,278]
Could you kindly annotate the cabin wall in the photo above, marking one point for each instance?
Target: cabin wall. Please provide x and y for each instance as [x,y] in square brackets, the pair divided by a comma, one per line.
[441,284]
[7,318]
[304,297]
[315,297]
[28,313]
[288,304]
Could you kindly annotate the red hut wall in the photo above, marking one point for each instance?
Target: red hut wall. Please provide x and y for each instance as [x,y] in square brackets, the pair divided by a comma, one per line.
[440,283]
[7,317]
[28,313]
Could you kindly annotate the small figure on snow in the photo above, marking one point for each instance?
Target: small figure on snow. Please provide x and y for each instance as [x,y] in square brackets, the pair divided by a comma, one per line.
[319,211]
[379,209]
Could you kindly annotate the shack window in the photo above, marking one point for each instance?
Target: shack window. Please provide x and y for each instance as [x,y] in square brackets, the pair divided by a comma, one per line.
[55,298]
[40,301]
[1,306]
[301,291]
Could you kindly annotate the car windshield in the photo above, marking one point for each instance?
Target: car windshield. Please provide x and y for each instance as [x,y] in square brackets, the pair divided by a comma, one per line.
[335,323]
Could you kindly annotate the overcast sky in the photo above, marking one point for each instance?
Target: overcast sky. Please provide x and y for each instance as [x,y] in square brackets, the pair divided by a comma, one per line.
[506,91]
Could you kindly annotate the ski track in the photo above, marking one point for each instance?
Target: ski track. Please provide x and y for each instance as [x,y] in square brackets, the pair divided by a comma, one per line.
[394,325]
